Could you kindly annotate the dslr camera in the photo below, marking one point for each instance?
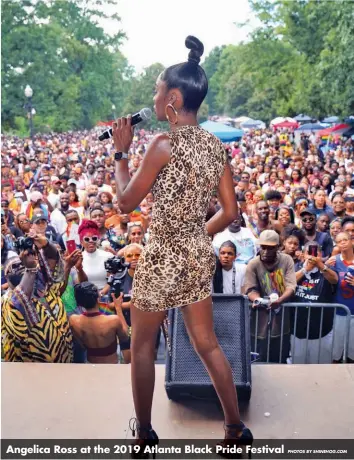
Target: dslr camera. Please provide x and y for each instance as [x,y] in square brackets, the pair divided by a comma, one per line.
[117,269]
[24,243]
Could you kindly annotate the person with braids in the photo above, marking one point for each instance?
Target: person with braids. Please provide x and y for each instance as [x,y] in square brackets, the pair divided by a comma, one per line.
[35,327]
[182,168]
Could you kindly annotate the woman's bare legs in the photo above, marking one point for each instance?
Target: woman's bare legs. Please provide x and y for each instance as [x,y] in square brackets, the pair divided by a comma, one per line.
[145,326]
[198,319]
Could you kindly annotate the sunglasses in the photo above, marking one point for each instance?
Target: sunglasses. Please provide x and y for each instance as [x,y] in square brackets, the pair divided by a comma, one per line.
[88,239]
[308,219]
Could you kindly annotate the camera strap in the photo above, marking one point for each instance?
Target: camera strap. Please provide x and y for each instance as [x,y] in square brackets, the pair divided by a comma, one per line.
[234,279]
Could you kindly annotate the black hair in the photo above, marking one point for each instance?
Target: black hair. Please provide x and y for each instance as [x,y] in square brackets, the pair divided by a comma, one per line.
[229,244]
[347,219]
[293,230]
[189,77]
[74,192]
[273,195]
[97,206]
[324,214]
[4,250]
[72,211]
[290,211]
[86,295]
[335,194]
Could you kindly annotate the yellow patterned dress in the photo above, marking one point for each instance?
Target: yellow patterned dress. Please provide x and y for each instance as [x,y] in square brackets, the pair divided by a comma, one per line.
[37,331]
[177,265]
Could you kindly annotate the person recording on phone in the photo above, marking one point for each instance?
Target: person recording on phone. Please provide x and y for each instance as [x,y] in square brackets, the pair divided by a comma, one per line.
[308,220]
[35,327]
[315,284]
[96,332]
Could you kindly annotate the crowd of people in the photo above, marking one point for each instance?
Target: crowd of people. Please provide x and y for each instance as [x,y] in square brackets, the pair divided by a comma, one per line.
[63,236]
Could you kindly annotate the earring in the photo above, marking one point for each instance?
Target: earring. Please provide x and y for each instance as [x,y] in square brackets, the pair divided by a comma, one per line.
[175,112]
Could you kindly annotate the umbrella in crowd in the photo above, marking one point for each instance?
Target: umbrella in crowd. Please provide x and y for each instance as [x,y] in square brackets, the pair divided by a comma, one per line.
[311,127]
[337,129]
[223,132]
[253,124]
[278,120]
[331,120]
[286,124]
[302,118]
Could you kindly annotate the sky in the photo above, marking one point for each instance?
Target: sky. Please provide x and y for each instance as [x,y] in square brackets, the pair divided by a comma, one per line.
[156,29]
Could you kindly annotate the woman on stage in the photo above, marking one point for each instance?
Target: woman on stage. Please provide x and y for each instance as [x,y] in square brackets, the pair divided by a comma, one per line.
[182,168]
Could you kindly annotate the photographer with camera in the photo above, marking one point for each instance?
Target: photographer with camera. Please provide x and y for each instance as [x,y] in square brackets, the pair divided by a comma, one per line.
[269,282]
[34,323]
[132,254]
[97,332]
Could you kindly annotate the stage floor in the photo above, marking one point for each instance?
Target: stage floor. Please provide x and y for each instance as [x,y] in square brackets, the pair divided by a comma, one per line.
[76,401]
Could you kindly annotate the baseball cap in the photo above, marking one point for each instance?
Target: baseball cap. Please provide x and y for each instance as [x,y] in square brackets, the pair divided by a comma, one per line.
[307,211]
[36,196]
[73,181]
[55,180]
[268,238]
[38,216]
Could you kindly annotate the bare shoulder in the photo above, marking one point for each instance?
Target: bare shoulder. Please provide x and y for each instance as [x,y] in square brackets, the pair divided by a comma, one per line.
[75,319]
[160,148]
[112,320]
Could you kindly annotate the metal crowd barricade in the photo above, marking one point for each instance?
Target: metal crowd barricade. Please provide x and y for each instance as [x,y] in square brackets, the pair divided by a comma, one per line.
[296,306]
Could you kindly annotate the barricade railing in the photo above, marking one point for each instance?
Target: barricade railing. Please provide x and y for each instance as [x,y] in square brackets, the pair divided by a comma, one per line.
[285,347]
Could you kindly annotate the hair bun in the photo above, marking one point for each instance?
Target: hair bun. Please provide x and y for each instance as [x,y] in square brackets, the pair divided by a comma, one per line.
[196,48]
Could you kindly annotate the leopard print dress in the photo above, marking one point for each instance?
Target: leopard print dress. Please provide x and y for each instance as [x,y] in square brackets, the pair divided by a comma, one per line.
[177,265]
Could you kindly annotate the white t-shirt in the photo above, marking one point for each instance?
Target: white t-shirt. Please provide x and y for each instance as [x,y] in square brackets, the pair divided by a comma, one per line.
[54,199]
[93,265]
[105,188]
[244,241]
[58,220]
[228,276]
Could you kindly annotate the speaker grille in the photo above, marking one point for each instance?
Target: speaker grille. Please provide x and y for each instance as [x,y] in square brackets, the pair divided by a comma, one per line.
[231,327]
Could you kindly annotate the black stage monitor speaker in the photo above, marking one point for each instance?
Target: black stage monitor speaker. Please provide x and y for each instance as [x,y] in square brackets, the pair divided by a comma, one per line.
[186,376]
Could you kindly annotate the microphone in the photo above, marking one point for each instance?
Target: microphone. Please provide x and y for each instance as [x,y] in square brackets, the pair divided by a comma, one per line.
[144,114]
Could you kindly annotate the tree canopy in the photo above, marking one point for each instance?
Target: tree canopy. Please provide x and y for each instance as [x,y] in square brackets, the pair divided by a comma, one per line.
[299,60]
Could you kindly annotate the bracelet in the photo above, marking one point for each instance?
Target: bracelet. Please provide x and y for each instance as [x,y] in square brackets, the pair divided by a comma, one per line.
[31,270]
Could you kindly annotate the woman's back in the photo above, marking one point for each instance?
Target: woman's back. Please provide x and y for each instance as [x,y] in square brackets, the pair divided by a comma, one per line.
[98,334]
[178,262]
[184,187]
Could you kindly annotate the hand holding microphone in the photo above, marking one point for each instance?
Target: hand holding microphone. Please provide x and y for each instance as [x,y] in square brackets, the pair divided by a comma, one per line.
[144,114]
[123,133]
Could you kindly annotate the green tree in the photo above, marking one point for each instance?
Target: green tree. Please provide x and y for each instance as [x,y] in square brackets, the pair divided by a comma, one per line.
[75,69]
[141,93]
[210,66]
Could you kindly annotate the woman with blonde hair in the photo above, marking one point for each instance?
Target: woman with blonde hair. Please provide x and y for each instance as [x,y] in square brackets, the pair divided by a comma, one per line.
[131,254]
